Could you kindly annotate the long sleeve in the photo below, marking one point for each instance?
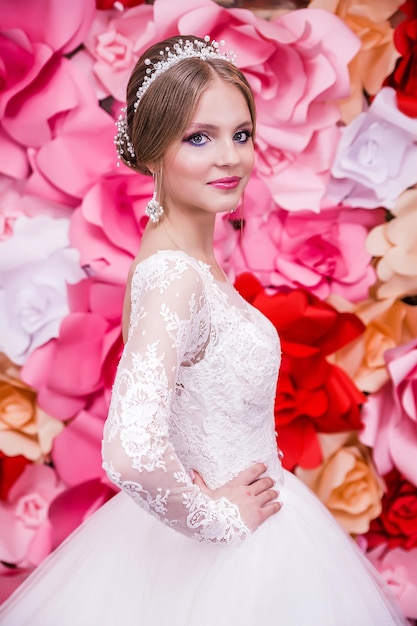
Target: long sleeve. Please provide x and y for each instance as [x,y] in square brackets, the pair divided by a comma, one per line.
[169,328]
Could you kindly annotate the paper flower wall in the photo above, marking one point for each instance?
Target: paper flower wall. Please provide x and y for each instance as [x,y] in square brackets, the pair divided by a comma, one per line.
[325,247]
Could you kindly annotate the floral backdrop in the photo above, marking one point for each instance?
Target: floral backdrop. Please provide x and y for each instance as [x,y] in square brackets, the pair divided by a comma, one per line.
[325,246]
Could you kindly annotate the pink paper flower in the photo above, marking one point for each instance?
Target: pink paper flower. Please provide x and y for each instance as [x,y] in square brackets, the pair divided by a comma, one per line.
[398,568]
[36,265]
[25,539]
[323,253]
[32,40]
[9,206]
[376,156]
[84,433]
[390,415]
[80,147]
[108,226]
[113,45]
[64,388]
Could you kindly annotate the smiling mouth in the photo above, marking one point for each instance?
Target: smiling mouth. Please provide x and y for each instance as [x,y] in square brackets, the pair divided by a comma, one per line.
[230,182]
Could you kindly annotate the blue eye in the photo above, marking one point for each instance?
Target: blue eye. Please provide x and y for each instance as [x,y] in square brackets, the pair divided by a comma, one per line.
[198,139]
[242,136]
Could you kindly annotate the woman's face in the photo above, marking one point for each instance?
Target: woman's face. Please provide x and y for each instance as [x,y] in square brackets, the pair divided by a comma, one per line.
[208,169]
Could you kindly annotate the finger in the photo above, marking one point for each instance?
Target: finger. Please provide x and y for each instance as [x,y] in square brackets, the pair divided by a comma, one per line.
[267,497]
[249,475]
[270,509]
[199,481]
[262,484]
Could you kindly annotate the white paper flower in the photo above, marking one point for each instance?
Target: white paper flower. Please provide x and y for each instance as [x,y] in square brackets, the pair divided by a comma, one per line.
[376,157]
[36,264]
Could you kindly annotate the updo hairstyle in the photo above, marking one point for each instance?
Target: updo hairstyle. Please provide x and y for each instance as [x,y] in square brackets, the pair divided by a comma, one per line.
[167,106]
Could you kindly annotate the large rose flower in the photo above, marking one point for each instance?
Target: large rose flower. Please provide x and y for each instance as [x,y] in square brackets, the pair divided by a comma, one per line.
[377,55]
[312,395]
[395,245]
[24,428]
[32,41]
[108,226]
[30,535]
[346,482]
[25,538]
[64,388]
[397,524]
[322,253]
[390,415]
[74,505]
[404,77]
[36,265]
[388,324]
[398,568]
[113,45]
[79,147]
[376,156]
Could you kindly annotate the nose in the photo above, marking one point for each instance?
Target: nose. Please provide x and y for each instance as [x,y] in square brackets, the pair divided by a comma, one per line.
[227,153]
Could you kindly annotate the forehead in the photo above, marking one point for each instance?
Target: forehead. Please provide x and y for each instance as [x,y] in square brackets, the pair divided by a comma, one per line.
[221,100]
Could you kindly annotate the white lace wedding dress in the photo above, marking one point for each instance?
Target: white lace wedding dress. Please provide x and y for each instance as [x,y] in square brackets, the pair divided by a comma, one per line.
[195,390]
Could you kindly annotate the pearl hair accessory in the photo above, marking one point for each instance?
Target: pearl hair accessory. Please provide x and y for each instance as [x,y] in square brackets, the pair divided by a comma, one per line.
[169,56]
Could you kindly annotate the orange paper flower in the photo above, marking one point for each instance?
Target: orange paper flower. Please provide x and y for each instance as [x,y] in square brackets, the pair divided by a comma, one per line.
[24,429]
[346,482]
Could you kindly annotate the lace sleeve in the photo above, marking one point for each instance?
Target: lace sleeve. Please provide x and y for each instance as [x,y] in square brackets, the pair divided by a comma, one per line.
[169,327]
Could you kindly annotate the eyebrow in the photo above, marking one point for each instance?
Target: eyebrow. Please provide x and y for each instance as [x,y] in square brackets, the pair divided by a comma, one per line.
[211,127]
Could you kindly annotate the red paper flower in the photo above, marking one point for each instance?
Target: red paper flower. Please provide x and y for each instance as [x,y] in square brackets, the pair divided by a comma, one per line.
[312,395]
[404,77]
[105,5]
[397,524]
[11,467]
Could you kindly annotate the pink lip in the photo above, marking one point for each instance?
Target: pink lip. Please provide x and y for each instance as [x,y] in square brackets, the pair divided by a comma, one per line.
[225,183]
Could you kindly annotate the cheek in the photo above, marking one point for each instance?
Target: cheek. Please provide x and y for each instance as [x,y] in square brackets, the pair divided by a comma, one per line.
[250,160]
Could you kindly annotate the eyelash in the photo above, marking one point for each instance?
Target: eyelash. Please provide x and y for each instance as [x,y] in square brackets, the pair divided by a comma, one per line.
[191,138]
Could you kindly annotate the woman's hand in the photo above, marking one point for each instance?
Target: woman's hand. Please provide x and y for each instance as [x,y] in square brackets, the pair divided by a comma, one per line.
[253,495]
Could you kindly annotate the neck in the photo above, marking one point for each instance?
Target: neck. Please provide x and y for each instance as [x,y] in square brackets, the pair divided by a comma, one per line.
[194,237]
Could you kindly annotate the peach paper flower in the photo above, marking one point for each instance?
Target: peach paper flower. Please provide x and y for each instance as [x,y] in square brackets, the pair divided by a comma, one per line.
[346,482]
[390,415]
[388,324]
[369,20]
[24,428]
[395,245]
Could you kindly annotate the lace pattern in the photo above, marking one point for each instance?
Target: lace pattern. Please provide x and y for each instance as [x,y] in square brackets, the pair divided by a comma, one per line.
[191,392]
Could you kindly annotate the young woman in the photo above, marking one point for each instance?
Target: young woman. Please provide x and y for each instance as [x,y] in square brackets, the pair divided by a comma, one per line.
[208,529]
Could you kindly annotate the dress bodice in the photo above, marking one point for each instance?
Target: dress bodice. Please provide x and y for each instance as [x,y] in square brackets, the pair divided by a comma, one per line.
[222,412]
[194,389]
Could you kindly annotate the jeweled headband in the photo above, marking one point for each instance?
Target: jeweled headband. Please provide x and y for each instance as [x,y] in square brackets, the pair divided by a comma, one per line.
[183,49]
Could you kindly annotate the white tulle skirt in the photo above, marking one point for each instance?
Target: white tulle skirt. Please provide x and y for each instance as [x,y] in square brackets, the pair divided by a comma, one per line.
[124,568]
